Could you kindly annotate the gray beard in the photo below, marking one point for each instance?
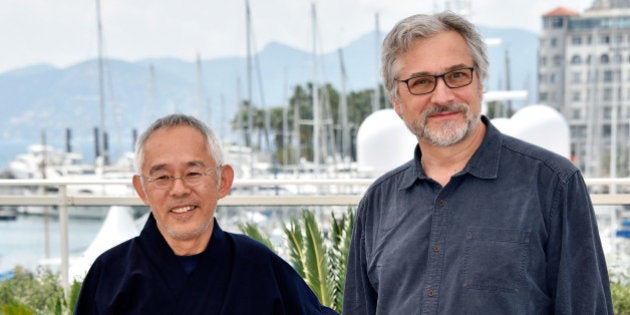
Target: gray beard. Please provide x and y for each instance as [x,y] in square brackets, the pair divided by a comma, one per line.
[448,133]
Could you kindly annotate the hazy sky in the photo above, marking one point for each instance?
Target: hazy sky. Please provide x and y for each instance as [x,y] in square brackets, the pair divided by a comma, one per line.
[63,32]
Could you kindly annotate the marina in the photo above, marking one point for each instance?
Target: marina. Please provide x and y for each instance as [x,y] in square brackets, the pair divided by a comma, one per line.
[313,138]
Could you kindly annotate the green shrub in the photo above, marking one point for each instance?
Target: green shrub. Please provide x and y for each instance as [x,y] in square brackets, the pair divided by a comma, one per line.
[620,291]
[33,293]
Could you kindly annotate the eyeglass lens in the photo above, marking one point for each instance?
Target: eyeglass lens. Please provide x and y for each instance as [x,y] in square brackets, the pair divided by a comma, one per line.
[423,84]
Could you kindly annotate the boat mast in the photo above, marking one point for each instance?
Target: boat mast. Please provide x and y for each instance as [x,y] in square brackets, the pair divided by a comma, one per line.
[250,110]
[316,115]
[101,83]
[200,96]
[343,109]
[376,102]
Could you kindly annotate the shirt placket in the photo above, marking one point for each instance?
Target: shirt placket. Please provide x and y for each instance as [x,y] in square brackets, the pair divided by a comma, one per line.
[435,261]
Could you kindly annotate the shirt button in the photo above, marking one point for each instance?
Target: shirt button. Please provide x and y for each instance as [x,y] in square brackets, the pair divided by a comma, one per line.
[436,248]
[430,293]
[442,202]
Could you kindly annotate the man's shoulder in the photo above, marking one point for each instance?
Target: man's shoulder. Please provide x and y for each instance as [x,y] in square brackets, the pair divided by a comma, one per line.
[536,154]
[254,256]
[118,254]
[393,177]
[248,247]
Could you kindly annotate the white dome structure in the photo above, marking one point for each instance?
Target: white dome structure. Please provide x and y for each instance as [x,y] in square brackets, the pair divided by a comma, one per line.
[118,227]
[540,125]
[384,142]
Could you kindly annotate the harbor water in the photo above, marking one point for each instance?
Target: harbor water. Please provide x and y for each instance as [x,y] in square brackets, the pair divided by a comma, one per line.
[32,239]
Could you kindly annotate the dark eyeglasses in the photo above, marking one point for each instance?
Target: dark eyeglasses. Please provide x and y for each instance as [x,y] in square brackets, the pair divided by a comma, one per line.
[426,83]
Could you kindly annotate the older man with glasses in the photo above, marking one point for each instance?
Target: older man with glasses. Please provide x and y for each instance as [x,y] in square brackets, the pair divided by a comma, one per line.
[477,222]
[182,262]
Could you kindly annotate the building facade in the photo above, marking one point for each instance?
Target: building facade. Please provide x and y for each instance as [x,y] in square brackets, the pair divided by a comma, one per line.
[584,73]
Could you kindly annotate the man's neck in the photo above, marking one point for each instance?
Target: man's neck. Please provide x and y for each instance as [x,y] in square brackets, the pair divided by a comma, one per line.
[441,163]
[192,245]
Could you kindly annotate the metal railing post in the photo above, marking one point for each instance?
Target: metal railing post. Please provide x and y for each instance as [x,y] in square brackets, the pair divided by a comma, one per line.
[63,228]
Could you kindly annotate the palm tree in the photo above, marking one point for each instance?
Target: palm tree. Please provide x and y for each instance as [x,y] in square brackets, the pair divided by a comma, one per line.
[319,256]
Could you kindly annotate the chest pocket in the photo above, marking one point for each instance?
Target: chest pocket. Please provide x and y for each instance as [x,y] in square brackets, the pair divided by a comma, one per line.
[496,259]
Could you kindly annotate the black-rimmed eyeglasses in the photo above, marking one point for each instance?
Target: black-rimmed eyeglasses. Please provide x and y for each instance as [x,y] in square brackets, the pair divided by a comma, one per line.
[192,177]
[426,83]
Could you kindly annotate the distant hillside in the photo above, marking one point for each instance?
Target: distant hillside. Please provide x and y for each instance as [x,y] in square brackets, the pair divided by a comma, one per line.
[42,97]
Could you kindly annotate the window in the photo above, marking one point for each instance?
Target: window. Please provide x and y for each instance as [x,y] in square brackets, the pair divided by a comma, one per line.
[554,42]
[576,40]
[604,59]
[542,78]
[619,39]
[543,61]
[557,60]
[618,59]
[576,60]
[604,39]
[543,96]
[553,78]
[576,77]
[577,96]
[556,22]
[576,114]
[608,95]
[608,76]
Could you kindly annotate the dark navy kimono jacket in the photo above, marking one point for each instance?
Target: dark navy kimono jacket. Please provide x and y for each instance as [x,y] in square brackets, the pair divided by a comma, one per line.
[234,275]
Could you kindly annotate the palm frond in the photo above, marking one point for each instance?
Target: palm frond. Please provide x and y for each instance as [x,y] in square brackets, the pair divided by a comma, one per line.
[317,262]
[341,237]
[252,231]
[295,238]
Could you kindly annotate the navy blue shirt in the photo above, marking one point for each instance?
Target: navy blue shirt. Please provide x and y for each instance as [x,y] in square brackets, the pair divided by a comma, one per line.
[234,275]
[514,232]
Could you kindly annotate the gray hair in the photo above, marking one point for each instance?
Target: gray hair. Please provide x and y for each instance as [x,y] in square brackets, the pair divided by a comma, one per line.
[406,32]
[214,146]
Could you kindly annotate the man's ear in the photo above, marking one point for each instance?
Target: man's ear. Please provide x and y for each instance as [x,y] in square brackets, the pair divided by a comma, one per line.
[227,178]
[137,184]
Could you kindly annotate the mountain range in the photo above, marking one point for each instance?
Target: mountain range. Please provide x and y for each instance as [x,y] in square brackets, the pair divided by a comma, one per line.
[43,98]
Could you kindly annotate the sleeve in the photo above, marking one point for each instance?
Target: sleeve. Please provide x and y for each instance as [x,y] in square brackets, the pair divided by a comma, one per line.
[578,276]
[359,296]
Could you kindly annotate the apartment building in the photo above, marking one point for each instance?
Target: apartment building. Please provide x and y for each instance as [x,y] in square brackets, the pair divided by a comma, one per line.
[584,73]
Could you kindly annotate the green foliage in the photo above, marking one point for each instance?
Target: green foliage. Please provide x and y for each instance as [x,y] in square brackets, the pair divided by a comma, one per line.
[620,291]
[498,109]
[295,239]
[34,293]
[316,262]
[75,289]
[253,232]
[359,107]
[319,256]
[341,236]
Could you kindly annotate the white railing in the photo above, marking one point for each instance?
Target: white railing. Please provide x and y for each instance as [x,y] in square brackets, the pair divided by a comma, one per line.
[337,192]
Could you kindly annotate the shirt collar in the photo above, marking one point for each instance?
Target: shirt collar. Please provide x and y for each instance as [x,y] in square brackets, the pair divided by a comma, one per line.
[483,164]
